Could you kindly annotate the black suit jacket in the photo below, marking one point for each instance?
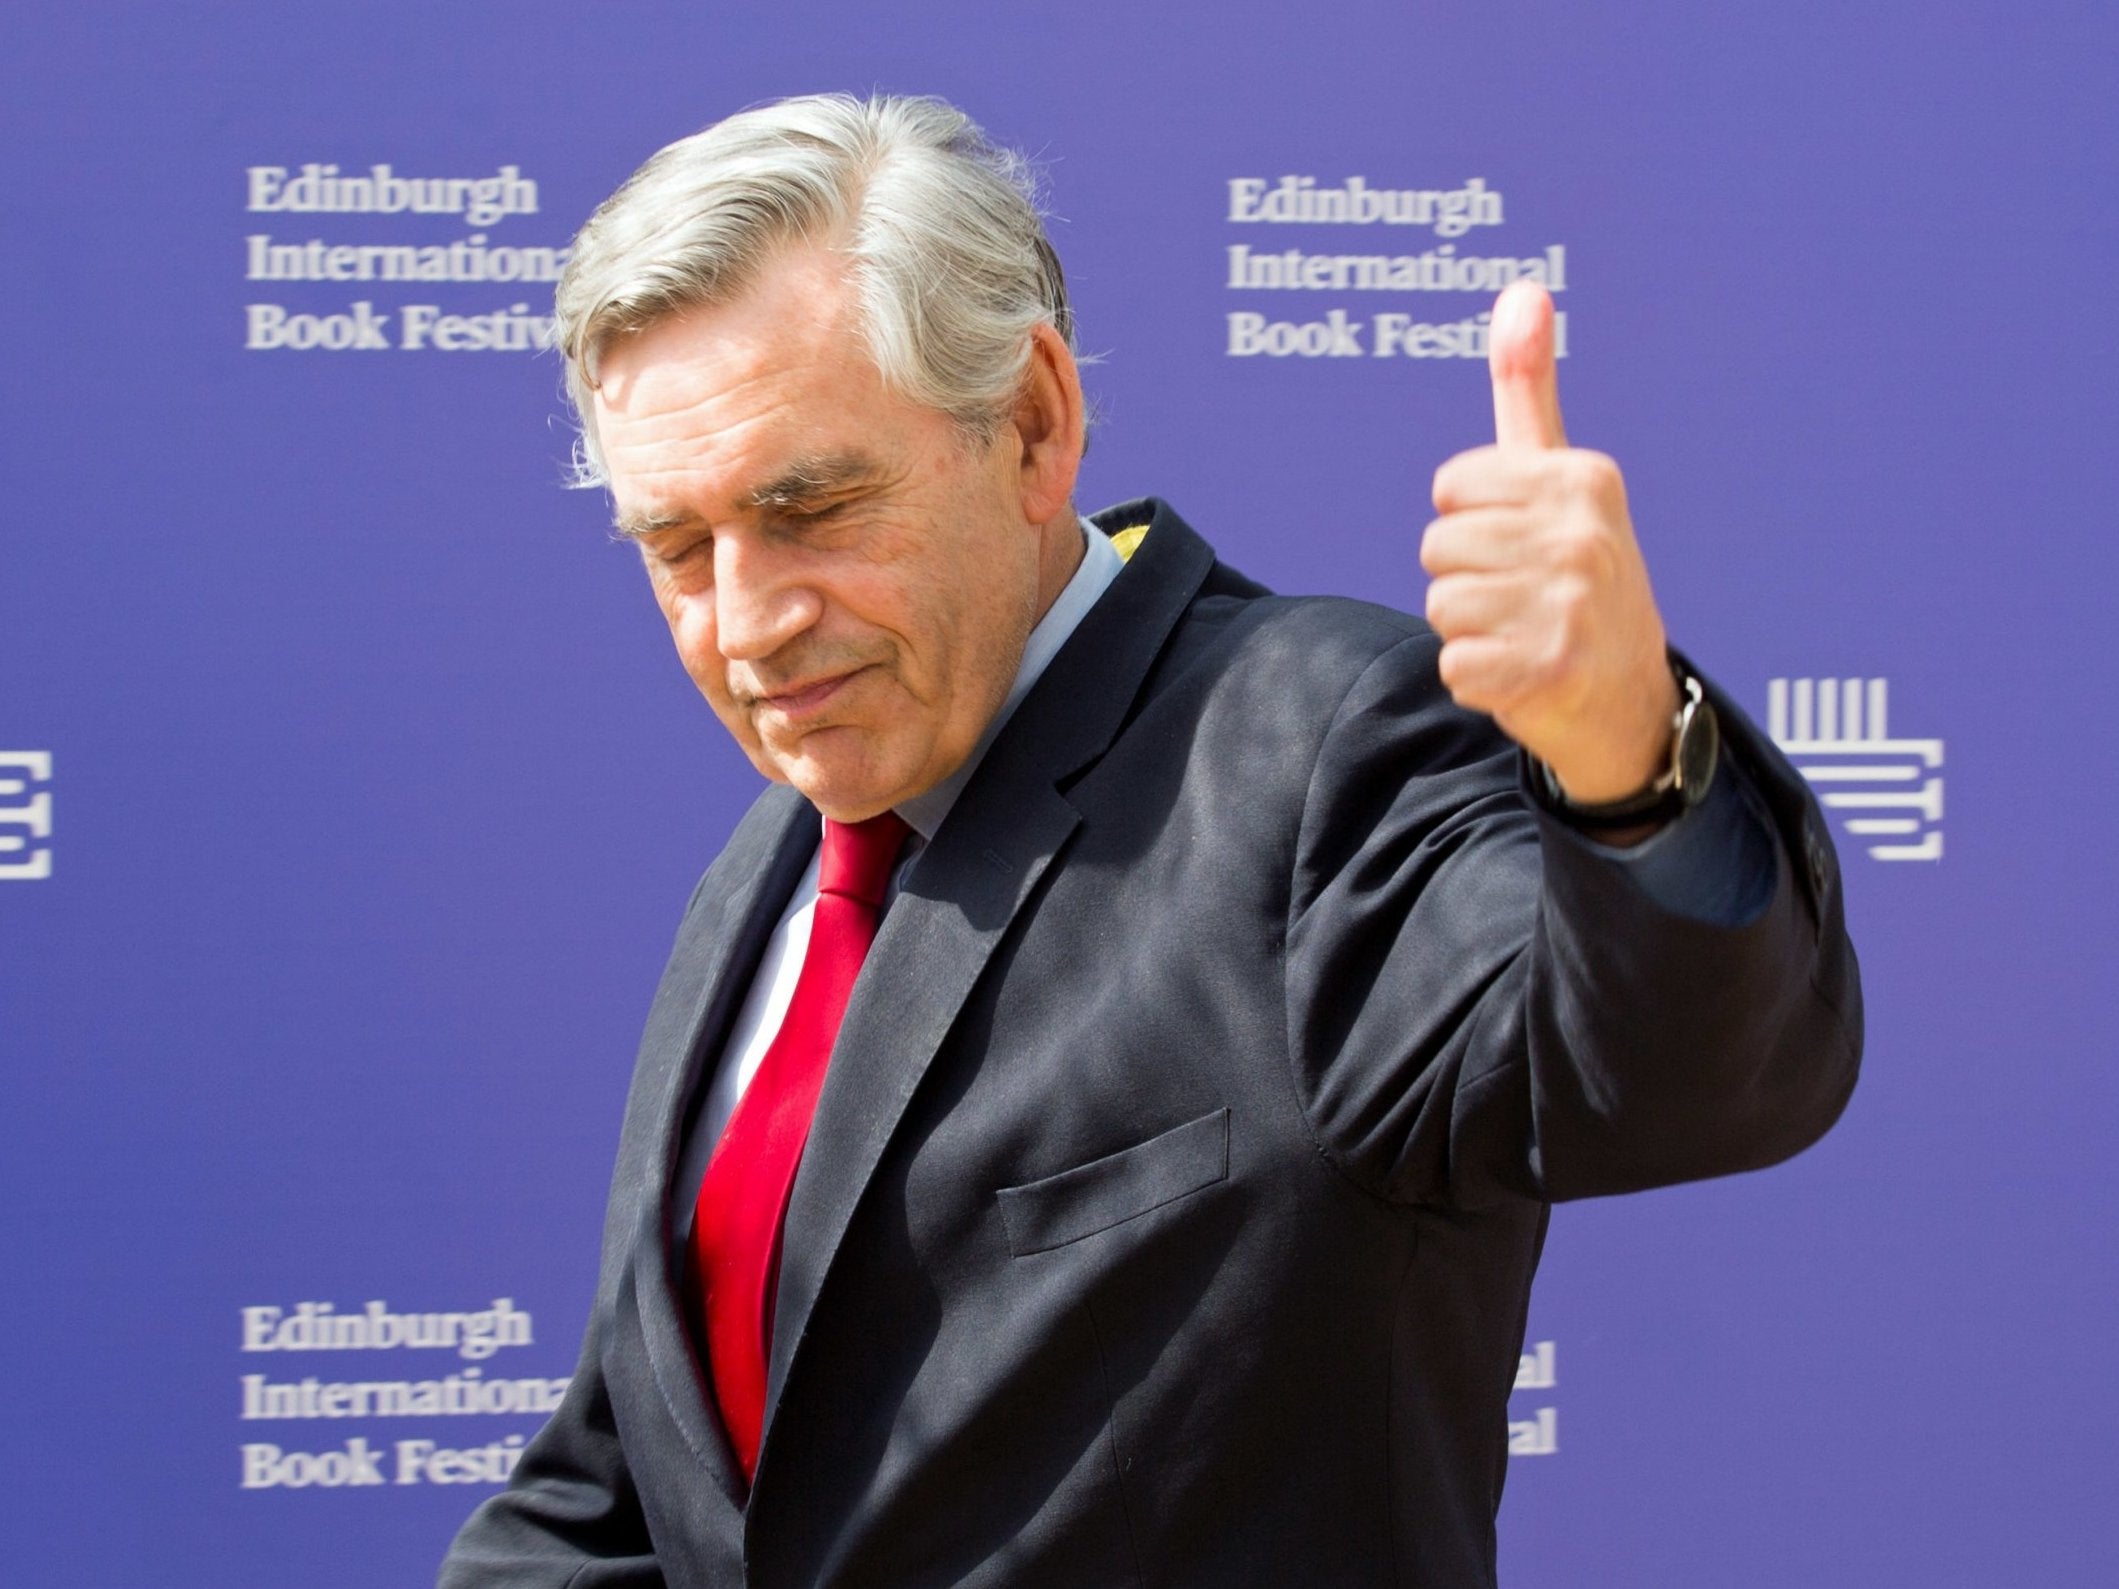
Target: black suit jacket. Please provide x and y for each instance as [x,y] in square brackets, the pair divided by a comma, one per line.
[1170,1211]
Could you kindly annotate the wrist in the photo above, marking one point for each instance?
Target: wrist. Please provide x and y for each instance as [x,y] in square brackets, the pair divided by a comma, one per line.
[1690,751]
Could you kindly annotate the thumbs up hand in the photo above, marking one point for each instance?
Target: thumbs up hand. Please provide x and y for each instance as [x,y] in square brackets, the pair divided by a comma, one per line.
[1537,586]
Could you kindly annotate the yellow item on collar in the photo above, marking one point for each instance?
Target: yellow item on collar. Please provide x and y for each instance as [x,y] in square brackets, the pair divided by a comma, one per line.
[1127,541]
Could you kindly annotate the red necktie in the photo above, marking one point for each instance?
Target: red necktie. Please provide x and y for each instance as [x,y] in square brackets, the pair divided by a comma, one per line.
[735,1246]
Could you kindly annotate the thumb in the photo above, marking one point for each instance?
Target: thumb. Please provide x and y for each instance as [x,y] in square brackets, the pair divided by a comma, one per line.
[1520,358]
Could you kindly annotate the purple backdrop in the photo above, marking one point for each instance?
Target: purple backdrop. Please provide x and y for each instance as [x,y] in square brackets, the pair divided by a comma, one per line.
[348,794]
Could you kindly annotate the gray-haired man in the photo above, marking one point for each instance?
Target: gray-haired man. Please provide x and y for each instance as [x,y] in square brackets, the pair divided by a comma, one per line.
[1160,1203]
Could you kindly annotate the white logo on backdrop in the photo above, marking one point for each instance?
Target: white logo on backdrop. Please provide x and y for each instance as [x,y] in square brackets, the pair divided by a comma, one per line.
[25,815]
[1885,791]
[1538,1433]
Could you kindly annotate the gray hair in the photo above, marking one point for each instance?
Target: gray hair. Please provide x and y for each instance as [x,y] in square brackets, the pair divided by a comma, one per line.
[938,225]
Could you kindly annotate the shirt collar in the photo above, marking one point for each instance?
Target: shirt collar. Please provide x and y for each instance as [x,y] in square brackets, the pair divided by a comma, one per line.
[1099,566]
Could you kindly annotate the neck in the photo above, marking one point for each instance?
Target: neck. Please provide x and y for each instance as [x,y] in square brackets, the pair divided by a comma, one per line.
[1059,555]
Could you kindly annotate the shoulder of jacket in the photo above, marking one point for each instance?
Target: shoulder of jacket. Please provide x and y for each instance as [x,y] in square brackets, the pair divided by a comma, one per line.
[1323,638]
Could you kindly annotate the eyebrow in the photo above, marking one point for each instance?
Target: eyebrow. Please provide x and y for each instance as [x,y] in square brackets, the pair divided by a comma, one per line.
[807,479]
[803,482]
[638,526]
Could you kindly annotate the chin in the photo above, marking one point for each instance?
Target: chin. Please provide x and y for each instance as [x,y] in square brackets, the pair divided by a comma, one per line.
[842,798]
[846,787]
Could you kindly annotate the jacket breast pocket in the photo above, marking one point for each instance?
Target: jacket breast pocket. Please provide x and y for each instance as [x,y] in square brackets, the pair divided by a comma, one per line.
[1041,1215]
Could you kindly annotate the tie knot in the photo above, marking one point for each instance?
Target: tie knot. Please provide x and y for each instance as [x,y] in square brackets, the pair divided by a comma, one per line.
[858,856]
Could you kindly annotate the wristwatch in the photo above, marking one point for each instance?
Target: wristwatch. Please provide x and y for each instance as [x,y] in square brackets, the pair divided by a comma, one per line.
[1695,750]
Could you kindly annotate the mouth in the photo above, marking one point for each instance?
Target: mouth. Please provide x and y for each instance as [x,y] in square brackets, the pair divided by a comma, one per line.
[805,701]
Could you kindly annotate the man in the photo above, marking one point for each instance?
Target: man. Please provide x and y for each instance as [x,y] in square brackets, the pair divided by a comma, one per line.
[1152,1195]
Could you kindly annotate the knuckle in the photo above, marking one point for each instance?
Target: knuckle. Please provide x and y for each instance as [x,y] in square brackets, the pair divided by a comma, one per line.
[1574,611]
[1558,653]
[1563,659]
[1444,489]
[1434,546]
[1503,696]
[1449,664]
[1593,474]
[1443,608]
[1576,545]
[1468,674]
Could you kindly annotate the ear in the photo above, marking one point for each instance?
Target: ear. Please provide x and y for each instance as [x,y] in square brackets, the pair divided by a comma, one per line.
[1048,421]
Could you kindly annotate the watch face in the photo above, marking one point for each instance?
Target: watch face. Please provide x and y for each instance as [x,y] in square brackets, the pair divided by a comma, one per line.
[1699,748]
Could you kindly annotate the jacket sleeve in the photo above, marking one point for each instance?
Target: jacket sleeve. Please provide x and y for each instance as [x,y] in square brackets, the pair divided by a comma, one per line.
[569,1518]
[1484,1003]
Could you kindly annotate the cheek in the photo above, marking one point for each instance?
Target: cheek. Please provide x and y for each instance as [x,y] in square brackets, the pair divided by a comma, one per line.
[691,622]
[711,679]
[955,658]
[932,649]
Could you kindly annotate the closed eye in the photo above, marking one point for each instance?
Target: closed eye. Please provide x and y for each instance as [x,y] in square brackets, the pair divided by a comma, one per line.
[679,556]
[799,520]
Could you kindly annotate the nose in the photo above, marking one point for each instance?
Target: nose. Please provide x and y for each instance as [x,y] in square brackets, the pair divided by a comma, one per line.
[760,603]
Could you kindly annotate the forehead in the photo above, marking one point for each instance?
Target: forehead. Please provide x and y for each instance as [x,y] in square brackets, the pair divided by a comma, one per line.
[698,410]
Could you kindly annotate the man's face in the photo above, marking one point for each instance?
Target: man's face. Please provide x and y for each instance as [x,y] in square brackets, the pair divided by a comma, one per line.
[849,583]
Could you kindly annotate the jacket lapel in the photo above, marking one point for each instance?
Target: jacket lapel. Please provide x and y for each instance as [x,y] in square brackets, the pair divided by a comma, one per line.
[710,969]
[958,901]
